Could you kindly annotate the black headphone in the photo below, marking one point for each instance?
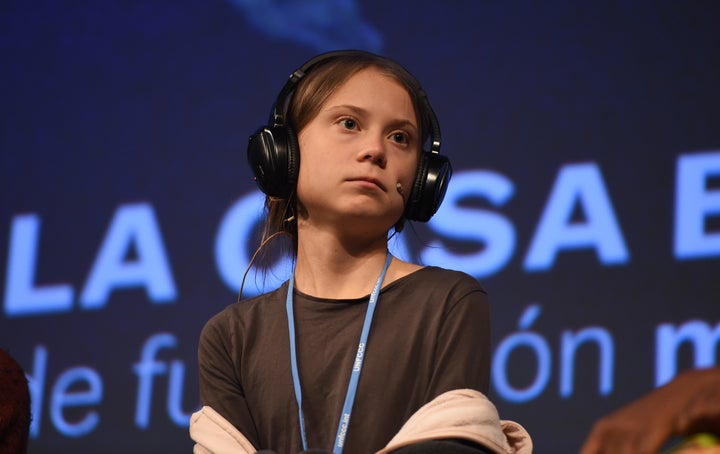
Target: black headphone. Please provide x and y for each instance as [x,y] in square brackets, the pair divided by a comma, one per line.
[274,155]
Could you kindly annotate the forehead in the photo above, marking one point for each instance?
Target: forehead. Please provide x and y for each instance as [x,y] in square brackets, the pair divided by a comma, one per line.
[373,89]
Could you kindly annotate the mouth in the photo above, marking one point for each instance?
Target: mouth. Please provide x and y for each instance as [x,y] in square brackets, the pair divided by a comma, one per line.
[370,180]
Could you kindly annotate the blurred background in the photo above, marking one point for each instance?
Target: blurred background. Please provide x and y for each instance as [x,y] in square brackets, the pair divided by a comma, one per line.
[585,139]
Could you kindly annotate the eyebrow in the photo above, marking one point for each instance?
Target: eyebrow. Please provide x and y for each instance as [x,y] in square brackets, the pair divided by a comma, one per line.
[360,111]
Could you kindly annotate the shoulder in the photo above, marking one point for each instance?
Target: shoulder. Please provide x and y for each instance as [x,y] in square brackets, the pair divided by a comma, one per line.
[447,278]
[439,287]
[439,296]
[239,314]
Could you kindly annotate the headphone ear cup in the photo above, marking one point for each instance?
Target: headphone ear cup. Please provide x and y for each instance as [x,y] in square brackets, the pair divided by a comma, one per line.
[429,188]
[273,155]
[292,154]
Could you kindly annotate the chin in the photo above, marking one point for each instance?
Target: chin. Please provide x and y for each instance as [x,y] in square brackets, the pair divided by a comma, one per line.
[368,222]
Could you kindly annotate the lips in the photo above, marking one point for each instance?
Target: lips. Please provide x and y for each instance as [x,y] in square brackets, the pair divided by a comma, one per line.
[372,180]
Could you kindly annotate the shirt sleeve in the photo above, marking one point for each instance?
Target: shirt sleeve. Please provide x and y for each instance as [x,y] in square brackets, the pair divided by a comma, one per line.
[220,384]
[462,354]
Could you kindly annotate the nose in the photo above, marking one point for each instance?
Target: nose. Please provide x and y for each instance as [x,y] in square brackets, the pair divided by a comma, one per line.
[373,150]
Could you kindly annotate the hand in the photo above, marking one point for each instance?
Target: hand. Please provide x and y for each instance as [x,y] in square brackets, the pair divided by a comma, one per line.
[688,404]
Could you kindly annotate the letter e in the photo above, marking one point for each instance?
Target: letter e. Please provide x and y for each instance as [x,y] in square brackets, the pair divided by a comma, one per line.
[693,203]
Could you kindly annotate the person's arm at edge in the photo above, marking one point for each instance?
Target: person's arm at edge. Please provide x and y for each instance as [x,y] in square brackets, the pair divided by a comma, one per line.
[689,404]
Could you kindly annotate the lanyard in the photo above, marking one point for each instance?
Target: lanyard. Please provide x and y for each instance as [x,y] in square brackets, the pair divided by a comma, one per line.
[357,364]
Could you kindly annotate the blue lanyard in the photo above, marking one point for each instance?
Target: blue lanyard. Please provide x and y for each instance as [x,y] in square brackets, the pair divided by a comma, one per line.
[357,364]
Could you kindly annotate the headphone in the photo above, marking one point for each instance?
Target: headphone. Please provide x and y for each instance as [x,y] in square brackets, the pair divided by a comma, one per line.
[274,155]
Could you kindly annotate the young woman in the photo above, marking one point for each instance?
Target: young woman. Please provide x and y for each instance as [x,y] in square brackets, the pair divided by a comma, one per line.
[357,342]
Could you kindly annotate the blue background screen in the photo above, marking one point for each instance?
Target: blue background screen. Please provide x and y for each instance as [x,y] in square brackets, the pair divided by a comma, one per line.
[584,137]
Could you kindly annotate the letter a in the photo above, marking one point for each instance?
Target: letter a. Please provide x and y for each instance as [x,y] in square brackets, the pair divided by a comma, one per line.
[581,183]
[132,225]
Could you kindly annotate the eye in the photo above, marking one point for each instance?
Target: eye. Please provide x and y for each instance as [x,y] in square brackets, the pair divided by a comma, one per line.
[400,137]
[348,123]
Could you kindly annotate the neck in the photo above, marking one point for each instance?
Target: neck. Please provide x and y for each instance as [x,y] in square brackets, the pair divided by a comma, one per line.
[330,267]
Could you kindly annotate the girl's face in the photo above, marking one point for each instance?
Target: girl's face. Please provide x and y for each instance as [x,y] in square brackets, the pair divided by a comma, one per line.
[363,142]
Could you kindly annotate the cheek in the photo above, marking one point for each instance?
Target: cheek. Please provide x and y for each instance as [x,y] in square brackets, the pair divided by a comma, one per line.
[307,175]
[312,173]
[306,162]
[409,172]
